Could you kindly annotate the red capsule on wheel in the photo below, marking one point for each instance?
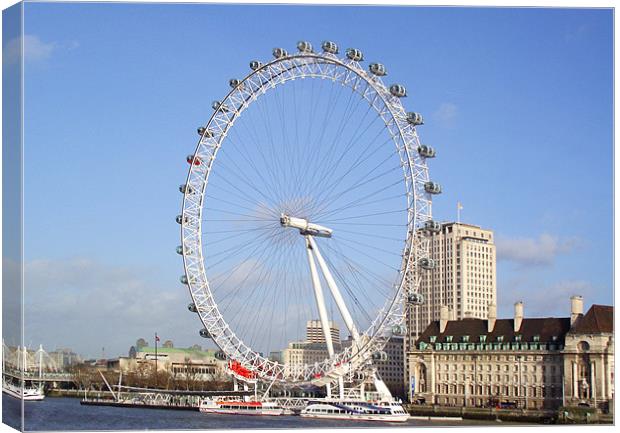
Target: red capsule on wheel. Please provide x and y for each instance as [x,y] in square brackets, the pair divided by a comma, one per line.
[191,159]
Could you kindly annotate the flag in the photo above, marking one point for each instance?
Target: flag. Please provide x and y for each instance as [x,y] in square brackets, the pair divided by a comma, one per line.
[156,337]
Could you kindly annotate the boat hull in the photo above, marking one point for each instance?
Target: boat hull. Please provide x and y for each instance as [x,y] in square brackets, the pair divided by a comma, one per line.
[351,417]
[28,395]
[268,412]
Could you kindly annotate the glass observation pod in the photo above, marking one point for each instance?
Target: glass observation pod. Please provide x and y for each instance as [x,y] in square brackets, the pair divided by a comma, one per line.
[191,159]
[180,219]
[192,307]
[204,131]
[377,69]
[415,298]
[330,47]
[380,356]
[220,355]
[399,330]
[186,189]
[188,251]
[432,188]
[426,151]
[415,118]
[204,333]
[398,90]
[183,279]
[217,105]
[355,54]
[304,47]
[255,64]
[426,263]
[432,226]
[278,53]
[233,82]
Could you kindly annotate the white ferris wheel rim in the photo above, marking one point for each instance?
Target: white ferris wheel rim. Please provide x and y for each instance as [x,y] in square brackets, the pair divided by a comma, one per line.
[415,173]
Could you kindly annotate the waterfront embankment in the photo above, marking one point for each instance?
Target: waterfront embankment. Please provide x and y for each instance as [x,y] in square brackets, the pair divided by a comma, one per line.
[562,416]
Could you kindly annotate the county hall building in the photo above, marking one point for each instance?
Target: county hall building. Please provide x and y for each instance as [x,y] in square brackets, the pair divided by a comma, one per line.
[534,363]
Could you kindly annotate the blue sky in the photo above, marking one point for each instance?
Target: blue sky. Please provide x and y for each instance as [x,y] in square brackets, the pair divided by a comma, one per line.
[517,102]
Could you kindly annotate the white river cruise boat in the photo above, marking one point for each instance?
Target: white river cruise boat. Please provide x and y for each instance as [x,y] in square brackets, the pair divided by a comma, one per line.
[355,410]
[239,407]
[30,393]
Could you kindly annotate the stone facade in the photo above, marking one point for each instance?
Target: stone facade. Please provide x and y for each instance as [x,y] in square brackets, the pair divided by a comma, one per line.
[520,362]
[589,359]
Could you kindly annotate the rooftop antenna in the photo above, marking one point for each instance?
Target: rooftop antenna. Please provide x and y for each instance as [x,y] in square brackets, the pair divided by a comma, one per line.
[459,208]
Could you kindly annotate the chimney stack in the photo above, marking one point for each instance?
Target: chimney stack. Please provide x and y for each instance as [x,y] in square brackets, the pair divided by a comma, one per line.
[576,308]
[518,315]
[444,317]
[491,317]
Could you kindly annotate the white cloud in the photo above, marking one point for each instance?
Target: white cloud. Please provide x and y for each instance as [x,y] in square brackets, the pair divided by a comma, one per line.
[576,33]
[35,50]
[88,305]
[531,251]
[446,114]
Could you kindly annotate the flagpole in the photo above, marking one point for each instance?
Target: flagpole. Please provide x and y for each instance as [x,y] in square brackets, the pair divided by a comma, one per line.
[458,212]
[156,381]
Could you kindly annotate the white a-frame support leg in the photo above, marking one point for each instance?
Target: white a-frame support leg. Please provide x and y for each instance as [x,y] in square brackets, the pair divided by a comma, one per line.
[331,283]
[342,307]
[320,302]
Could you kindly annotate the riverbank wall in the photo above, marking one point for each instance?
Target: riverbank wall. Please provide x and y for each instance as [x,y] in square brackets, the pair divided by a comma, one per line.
[562,416]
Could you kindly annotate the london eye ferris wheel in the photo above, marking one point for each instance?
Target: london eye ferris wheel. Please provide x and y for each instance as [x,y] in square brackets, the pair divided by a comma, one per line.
[308,197]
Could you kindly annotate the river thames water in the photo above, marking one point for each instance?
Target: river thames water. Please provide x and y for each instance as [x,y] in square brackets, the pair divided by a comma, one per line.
[57,413]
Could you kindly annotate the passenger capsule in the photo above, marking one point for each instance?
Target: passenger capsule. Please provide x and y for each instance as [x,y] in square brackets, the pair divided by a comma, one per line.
[186,189]
[377,69]
[193,160]
[399,330]
[304,47]
[355,54]
[415,118]
[432,188]
[255,64]
[217,105]
[234,83]
[180,250]
[183,279]
[432,226]
[220,355]
[426,151]
[398,90]
[278,53]
[192,307]
[426,263]
[329,47]
[204,131]
[180,219]
[204,333]
[415,298]
[380,356]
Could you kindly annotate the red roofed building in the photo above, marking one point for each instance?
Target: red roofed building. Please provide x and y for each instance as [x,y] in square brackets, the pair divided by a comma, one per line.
[589,356]
[534,363]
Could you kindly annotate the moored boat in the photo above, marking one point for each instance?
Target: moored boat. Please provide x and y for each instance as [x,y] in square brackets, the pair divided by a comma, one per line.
[29,393]
[355,410]
[239,407]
